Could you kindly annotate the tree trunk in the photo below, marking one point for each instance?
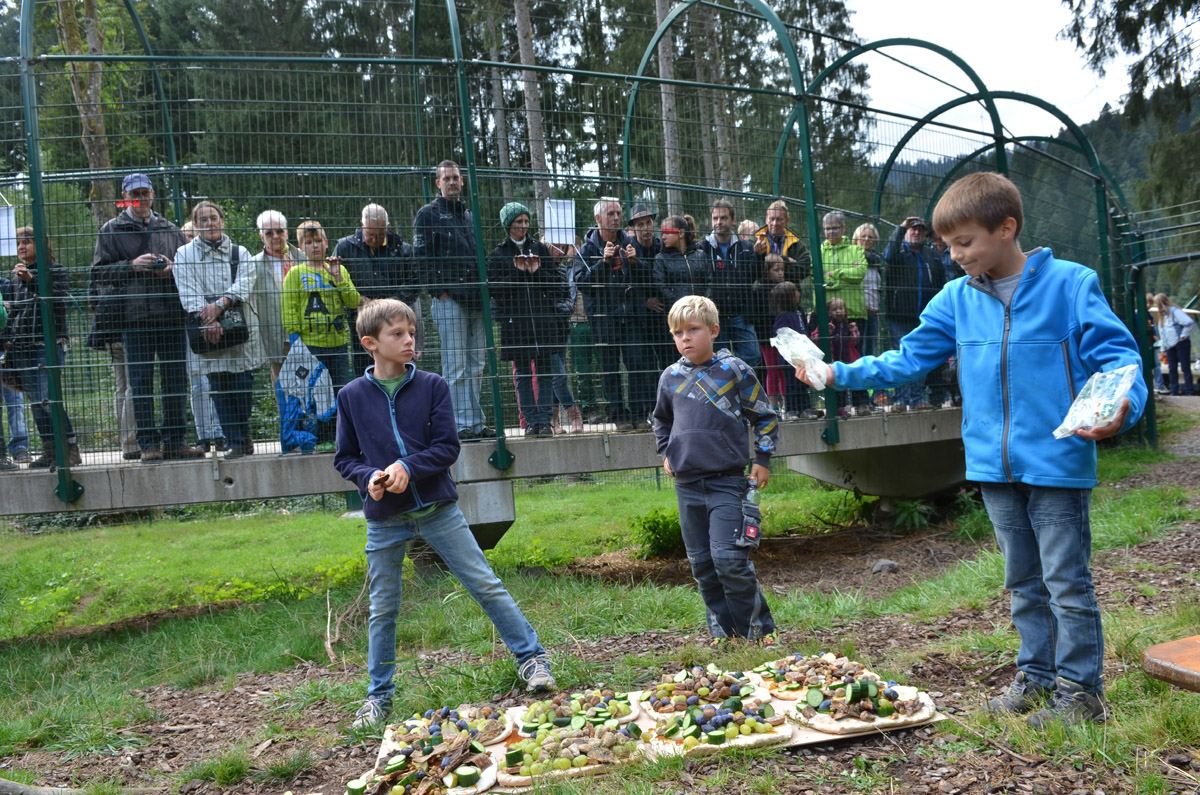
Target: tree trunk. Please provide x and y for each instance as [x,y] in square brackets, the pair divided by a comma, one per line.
[704,98]
[666,70]
[533,102]
[724,156]
[499,117]
[85,79]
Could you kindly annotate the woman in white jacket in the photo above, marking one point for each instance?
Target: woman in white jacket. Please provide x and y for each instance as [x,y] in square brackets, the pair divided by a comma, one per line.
[1174,333]
[210,284]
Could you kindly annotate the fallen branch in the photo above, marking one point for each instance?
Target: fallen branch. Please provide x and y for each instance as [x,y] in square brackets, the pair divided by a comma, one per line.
[332,637]
[997,744]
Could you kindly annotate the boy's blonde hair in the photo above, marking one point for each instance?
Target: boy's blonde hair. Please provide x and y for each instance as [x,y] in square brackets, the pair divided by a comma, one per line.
[374,315]
[985,198]
[692,307]
[309,230]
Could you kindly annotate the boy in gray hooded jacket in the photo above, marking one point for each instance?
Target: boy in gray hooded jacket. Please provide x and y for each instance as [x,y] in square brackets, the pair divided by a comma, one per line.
[705,403]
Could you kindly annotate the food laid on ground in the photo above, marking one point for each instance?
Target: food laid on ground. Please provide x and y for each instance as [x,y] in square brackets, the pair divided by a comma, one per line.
[696,686]
[486,725]
[429,762]
[707,729]
[789,677]
[591,707]
[567,751]
[840,696]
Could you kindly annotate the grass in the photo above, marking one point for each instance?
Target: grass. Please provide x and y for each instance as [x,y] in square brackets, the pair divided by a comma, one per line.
[74,695]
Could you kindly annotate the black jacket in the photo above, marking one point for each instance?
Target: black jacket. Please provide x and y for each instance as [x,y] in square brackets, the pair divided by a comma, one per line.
[128,299]
[643,276]
[677,274]
[910,278]
[444,247]
[609,288]
[387,272]
[731,274]
[24,327]
[529,306]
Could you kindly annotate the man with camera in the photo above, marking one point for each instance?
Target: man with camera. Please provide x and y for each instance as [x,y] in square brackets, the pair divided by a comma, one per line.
[132,270]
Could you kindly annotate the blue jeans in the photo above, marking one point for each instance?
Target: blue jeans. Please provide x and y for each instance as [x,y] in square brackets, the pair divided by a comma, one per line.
[447,532]
[204,411]
[1046,538]
[142,348]
[1179,357]
[869,344]
[562,389]
[710,513]
[233,396]
[18,429]
[912,393]
[738,335]
[617,338]
[35,383]
[464,354]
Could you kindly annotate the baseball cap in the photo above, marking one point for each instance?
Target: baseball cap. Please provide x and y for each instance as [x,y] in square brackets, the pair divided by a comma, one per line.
[918,222]
[135,181]
[641,211]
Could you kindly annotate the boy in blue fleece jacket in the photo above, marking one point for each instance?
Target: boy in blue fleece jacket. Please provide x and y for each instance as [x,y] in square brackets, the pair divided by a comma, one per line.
[1028,331]
[396,440]
[705,402]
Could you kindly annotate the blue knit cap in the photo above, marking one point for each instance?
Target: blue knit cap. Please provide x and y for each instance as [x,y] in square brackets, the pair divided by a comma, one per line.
[509,213]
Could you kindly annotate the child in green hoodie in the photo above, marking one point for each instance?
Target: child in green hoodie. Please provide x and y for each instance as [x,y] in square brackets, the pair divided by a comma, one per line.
[316,297]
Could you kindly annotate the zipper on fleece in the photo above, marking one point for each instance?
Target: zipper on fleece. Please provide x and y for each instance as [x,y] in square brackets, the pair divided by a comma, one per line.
[412,483]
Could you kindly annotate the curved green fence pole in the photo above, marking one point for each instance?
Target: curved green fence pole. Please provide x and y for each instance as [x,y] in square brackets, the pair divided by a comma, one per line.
[68,489]
[993,113]
[768,14]
[503,457]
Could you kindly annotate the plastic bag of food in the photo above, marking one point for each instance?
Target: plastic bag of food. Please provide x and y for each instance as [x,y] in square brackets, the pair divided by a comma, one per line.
[1097,403]
[799,349]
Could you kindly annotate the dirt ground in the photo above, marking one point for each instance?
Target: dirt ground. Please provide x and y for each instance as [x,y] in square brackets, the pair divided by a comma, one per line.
[195,725]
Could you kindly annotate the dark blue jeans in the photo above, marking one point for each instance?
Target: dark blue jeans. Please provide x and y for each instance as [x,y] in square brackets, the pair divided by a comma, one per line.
[618,337]
[1180,357]
[710,513]
[35,383]
[913,393]
[739,335]
[1045,535]
[337,362]
[233,396]
[167,346]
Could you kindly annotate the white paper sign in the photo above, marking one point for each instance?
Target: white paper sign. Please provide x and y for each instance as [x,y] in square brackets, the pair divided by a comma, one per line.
[558,221]
[8,231]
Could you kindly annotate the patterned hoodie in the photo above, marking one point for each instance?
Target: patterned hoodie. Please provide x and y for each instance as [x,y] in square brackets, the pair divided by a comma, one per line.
[702,414]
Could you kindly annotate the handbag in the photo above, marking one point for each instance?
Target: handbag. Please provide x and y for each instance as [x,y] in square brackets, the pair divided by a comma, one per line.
[234,329]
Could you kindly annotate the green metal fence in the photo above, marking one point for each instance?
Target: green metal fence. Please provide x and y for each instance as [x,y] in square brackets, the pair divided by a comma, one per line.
[767,106]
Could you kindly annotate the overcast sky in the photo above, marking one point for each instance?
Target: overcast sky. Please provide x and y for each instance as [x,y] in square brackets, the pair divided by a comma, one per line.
[1012,46]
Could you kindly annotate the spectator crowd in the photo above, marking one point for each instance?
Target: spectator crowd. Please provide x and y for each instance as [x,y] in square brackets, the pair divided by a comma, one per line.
[203,313]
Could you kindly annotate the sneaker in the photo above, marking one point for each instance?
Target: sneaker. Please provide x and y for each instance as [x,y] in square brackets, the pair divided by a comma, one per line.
[21,455]
[485,433]
[8,465]
[136,455]
[812,414]
[770,640]
[845,413]
[1022,696]
[466,435]
[1070,705]
[325,447]
[535,673]
[372,713]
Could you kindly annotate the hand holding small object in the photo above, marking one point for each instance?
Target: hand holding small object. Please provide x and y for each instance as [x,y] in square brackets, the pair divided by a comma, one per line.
[1111,429]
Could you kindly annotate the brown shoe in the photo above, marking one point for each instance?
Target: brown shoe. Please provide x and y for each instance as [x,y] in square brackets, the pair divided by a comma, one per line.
[152,454]
[45,460]
[74,458]
[181,452]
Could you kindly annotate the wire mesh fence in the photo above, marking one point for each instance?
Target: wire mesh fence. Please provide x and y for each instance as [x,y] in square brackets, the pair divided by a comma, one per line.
[536,328]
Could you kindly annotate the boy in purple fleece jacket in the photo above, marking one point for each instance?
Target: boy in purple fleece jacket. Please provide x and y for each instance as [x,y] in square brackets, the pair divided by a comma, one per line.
[396,440]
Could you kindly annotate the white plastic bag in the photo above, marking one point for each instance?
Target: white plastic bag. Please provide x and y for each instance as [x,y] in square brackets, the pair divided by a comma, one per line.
[799,349]
[1097,403]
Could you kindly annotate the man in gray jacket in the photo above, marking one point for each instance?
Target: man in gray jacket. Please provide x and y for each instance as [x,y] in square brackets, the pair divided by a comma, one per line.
[134,259]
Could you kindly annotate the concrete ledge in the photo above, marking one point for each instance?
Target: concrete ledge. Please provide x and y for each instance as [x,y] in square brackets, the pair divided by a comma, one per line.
[131,486]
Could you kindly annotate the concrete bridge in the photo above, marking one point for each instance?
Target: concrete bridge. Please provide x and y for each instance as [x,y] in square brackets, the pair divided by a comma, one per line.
[887,454]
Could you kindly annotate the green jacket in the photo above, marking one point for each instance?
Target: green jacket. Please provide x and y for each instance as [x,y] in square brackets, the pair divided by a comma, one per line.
[315,307]
[845,266]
